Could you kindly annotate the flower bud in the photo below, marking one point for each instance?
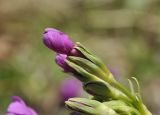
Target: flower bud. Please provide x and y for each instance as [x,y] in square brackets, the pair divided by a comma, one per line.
[89,107]
[18,107]
[74,86]
[60,60]
[57,41]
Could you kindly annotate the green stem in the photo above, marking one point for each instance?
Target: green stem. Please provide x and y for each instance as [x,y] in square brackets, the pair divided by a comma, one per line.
[110,79]
[138,104]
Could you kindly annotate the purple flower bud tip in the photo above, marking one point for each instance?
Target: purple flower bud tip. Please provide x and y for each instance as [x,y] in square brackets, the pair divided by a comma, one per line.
[18,107]
[60,60]
[76,53]
[70,87]
[57,41]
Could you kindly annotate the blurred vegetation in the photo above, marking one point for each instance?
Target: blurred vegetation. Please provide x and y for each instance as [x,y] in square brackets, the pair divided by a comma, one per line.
[124,33]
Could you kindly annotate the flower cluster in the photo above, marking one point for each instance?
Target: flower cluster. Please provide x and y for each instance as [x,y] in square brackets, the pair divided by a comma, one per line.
[109,97]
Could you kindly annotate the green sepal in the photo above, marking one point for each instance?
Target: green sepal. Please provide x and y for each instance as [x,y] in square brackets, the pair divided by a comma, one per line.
[81,73]
[88,66]
[104,91]
[108,77]
[97,88]
[91,57]
[122,108]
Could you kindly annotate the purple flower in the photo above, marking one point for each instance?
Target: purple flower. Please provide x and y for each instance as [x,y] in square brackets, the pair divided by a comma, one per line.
[60,60]
[18,107]
[70,87]
[57,41]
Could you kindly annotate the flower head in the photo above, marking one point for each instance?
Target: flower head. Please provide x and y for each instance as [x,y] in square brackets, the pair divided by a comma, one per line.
[57,41]
[60,60]
[18,107]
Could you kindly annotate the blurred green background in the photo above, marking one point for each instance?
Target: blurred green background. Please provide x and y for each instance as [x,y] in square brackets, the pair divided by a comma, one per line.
[124,33]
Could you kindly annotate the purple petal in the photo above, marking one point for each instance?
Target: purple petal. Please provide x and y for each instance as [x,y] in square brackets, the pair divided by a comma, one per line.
[18,99]
[32,111]
[18,107]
